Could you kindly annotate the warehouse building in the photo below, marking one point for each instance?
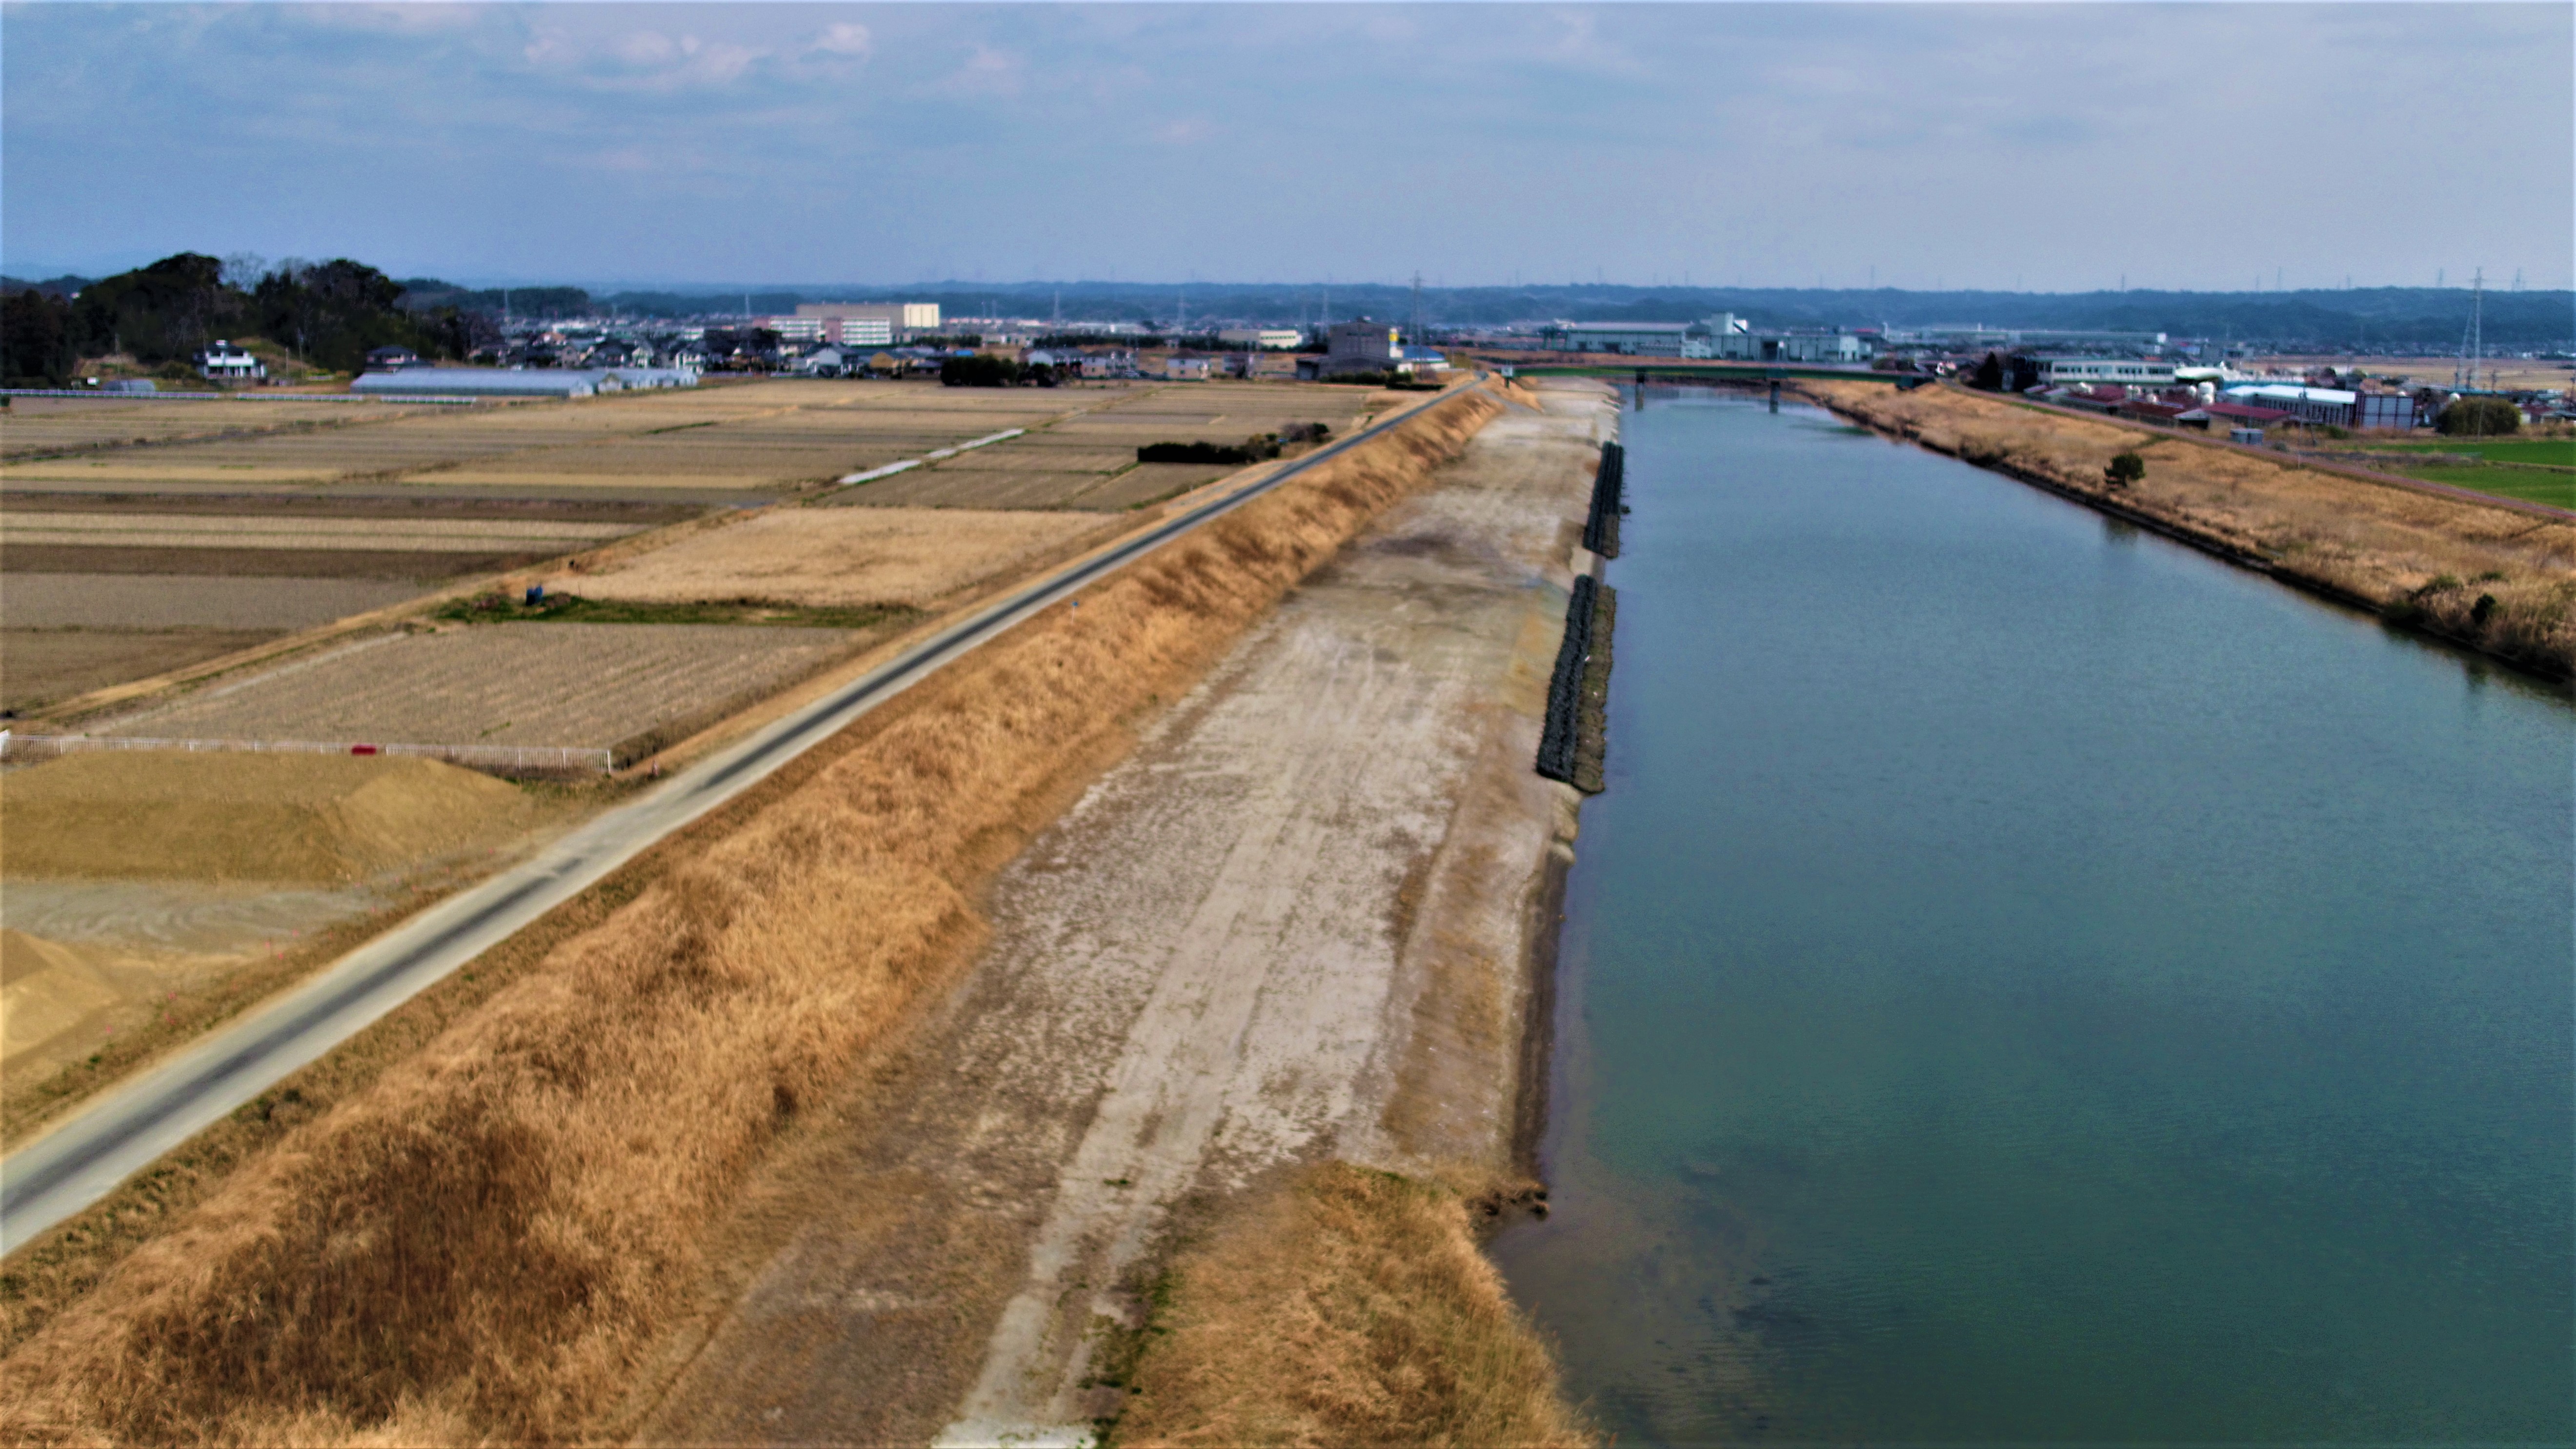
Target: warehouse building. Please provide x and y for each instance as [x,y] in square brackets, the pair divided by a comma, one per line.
[517,381]
[1622,339]
[2085,371]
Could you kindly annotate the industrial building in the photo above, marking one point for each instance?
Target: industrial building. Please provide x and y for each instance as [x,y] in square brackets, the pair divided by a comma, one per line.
[1271,339]
[518,381]
[2328,406]
[2085,371]
[1621,339]
[1724,337]
[861,324]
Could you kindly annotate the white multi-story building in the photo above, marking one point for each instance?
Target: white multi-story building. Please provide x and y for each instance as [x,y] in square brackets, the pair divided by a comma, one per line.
[872,324]
[1271,339]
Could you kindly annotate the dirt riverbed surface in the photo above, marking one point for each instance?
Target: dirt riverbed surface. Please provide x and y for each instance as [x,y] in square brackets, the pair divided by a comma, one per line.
[1294,924]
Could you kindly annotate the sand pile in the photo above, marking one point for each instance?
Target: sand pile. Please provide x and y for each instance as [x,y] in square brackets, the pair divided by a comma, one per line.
[302,818]
[46,989]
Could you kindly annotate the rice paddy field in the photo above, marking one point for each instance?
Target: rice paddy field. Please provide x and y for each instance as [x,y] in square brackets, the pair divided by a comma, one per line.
[34,427]
[755,438]
[1088,460]
[2535,470]
[233,522]
[625,687]
[844,557]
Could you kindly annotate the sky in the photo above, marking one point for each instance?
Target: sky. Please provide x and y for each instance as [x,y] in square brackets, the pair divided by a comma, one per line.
[2034,147]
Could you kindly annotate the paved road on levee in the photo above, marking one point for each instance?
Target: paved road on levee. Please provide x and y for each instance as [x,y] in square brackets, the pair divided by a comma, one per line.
[127,1127]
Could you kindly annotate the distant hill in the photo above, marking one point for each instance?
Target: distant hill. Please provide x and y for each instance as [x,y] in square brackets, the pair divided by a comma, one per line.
[2417,319]
[62,286]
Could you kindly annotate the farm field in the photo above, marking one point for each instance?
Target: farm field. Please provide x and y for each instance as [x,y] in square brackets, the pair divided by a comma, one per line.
[2509,371]
[750,437]
[320,510]
[41,666]
[841,557]
[2555,487]
[183,601]
[1088,460]
[2535,470]
[2549,452]
[136,528]
[627,687]
[34,426]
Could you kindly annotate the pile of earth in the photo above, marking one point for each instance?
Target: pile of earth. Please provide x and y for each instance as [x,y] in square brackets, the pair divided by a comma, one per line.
[319,819]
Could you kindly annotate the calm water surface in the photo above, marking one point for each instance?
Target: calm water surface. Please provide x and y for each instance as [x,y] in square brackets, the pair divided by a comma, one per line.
[2028,982]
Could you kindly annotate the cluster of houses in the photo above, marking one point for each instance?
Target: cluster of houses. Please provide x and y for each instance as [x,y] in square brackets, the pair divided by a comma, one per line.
[2219,399]
[886,340]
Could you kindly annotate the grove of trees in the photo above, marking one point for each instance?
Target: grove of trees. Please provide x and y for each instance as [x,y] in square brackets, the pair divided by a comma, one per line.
[328,314]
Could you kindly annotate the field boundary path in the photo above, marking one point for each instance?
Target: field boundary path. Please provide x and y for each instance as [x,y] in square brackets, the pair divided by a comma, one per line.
[92,1150]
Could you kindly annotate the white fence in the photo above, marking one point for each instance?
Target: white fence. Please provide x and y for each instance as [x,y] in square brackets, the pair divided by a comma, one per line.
[497,759]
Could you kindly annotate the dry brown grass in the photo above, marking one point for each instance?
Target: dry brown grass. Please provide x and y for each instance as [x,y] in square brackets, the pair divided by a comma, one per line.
[479,1244]
[2417,557]
[838,557]
[1351,1307]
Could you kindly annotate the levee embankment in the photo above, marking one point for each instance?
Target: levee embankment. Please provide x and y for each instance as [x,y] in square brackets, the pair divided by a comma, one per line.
[1249,1028]
[2484,577]
[486,1240]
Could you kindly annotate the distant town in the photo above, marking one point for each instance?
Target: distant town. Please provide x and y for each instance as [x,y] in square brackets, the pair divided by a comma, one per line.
[343,325]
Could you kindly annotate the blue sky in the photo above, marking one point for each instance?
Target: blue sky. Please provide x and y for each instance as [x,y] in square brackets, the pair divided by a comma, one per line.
[2053,147]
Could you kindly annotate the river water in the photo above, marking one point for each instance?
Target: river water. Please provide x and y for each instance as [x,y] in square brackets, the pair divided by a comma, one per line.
[2030,982]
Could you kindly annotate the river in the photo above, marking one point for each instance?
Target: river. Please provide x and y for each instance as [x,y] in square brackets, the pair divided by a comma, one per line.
[2028,981]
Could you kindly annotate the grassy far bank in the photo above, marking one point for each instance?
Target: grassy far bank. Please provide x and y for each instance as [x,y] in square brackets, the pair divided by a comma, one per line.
[2488,578]
[1351,1307]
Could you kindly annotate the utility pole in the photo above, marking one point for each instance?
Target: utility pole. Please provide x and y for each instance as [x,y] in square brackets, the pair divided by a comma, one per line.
[1413,329]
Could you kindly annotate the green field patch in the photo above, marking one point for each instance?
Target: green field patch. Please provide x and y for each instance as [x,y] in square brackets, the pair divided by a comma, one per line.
[2531,485]
[2545,452]
[498,608]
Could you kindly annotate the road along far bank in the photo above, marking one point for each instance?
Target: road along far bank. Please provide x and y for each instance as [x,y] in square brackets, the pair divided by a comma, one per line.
[2484,576]
[479,1242]
[1262,988]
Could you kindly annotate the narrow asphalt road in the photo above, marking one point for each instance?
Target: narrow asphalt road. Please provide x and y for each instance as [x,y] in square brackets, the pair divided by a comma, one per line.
[126,1128]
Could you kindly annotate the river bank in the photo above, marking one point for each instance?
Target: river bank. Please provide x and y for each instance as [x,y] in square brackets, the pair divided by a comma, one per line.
[1245,1038]
[2033,982]
[490,1238]
[2485,578]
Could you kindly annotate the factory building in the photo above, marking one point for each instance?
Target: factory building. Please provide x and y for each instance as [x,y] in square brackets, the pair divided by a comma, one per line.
[868,324]
[1622,339]
[2086,371]
[1270,339]
[517,381]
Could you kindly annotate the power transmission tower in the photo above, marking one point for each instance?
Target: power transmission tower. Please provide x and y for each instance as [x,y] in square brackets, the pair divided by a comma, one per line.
[2473,342]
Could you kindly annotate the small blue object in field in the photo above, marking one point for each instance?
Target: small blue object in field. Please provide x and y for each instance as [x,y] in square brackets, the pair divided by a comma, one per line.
[536,593]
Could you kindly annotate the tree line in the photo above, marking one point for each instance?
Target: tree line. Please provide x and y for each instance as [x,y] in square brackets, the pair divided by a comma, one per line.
[327,314]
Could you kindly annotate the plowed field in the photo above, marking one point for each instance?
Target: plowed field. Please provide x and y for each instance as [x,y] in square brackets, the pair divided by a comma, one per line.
[841,557]
[592,685]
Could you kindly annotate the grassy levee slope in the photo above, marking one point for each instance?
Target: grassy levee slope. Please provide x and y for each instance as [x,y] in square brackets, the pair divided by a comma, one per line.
[1353,1309]
[478,1246]
[2495,580]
